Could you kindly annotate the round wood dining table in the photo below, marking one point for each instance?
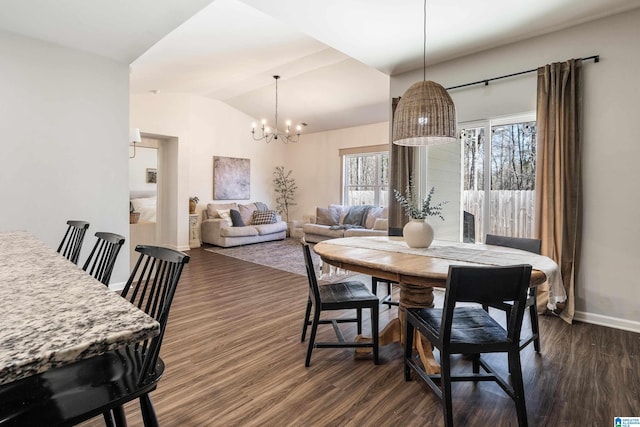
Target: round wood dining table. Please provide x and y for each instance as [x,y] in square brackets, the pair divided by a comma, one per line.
[416,273]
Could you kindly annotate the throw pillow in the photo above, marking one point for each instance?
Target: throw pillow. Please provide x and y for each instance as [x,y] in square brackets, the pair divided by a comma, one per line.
[246,212]
[342,210]
[236,219]
[261,206]
[356,215]
[327,216]
[212,208]
[381,224]
[225,215]
[266,217]
[372,215]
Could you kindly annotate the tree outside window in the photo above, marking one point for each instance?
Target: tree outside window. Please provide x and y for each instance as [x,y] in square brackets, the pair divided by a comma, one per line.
[499,176]
[366,179]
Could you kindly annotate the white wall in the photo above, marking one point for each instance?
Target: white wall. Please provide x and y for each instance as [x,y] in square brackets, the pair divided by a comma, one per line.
[316,166]
[64,126]
[609,271]
[146,158]
[441,171]
[224,131]
[204,128]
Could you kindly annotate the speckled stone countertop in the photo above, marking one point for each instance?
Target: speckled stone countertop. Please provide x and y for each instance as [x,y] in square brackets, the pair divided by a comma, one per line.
[53,313]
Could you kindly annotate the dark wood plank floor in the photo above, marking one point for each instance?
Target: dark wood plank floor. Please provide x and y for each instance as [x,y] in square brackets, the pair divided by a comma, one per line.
[234,358]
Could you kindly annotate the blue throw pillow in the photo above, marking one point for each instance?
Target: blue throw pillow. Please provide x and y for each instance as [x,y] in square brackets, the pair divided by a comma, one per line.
[236,219]
[357,215]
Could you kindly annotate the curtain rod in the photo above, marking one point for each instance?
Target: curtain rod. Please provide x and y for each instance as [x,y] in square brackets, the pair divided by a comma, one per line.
[595,58]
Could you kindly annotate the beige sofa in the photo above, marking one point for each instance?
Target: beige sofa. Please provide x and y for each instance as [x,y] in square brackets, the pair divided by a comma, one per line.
[337,221]
[252,226]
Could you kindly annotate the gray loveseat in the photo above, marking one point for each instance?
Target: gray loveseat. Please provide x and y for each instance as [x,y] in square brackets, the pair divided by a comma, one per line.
[252,225]
[338,221]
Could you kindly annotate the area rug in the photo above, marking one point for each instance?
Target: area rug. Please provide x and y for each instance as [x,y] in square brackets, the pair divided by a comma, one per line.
[284,255]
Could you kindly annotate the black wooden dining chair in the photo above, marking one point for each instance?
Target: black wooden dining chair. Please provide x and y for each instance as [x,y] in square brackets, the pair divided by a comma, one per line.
[99,385]
[337,296]
[471,330]
[388,299]
[71,243]
[529,245]
[468,227]
[103,256]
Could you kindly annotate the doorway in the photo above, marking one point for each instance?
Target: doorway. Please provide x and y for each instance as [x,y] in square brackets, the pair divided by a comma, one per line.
[161,227]
[143,194]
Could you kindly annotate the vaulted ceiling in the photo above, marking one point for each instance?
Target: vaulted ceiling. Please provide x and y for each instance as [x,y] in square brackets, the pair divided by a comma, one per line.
[335,56]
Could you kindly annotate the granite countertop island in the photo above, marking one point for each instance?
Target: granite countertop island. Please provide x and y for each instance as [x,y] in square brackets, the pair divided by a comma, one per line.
[53,313]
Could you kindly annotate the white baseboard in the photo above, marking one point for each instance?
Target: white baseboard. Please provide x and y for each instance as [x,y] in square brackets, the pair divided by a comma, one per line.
[611,322]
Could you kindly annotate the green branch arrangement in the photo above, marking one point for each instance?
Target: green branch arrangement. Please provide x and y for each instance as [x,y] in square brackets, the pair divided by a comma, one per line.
[285,188]
[416,209]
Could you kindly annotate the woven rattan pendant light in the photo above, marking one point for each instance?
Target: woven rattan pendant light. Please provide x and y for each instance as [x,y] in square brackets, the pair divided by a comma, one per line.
[425,114]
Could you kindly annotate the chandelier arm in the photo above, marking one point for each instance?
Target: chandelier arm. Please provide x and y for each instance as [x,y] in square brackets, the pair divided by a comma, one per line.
[256,139]
[287,139]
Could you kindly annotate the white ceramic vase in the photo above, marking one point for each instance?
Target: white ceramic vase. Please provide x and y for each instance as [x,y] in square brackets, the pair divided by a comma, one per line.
[418,233]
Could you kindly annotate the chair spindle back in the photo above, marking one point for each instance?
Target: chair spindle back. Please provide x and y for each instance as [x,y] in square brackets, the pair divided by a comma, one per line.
[71,243]
[151,287]
[103,256]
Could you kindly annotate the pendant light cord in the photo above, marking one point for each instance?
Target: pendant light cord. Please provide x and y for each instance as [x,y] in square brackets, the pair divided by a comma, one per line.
[424,44]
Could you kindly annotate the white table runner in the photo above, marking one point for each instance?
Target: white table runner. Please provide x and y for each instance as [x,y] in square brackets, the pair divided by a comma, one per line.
[468,252]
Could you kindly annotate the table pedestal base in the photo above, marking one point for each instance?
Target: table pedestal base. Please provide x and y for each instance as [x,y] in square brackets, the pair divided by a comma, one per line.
[410,296]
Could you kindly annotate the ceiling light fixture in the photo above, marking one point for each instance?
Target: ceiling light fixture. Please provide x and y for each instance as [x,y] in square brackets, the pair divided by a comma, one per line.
[269,134]
[425,114]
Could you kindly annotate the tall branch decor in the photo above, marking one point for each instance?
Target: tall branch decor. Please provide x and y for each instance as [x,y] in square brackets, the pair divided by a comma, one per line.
[285,188]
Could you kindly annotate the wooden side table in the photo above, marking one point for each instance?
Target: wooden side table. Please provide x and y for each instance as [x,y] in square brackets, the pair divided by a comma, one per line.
[194,231]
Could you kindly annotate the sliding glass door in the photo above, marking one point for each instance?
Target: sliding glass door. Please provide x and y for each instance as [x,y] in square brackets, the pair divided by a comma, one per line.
[498,177]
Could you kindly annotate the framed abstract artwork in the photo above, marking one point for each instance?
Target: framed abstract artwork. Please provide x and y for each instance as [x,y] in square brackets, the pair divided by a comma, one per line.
[231,178]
